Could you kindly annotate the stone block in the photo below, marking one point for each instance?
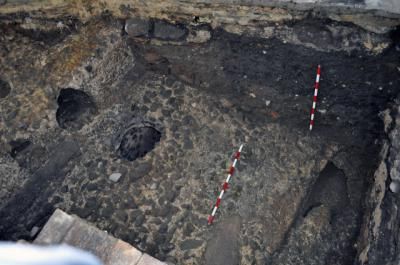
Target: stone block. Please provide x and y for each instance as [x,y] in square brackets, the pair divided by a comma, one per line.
[124,254]
[84,236]
[55,229]
[136,27]
[71,230]
[148,260]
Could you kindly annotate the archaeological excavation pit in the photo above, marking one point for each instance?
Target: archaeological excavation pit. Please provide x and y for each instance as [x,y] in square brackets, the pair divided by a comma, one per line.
[75,108]
[138,140]
[127,116]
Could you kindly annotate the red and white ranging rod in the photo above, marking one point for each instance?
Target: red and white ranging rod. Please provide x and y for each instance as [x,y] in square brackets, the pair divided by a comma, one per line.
[225,185]
[314,105]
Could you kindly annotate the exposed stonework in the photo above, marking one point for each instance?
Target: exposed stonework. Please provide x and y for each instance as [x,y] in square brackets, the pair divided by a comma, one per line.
[220,13]
[381,225]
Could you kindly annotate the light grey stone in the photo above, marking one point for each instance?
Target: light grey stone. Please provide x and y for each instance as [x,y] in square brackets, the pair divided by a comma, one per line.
[136,27]
[114,177]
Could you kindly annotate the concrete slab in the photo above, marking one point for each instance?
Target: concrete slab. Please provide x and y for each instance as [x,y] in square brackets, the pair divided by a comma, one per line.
[123,254]
[71,230]
[56,228]
[89,238]
[148,260]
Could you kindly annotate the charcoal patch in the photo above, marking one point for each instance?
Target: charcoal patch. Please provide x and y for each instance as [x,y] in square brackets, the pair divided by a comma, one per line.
[75,109]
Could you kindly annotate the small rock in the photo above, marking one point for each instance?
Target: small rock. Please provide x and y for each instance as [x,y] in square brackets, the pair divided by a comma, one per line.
[60,25]
[166,113]
[85,212]
[187,143]
[322,111]
[167,247]
[139,220]
[114,177]
[159,239]
[163,228]
[129,203]
[136,27]
[165,93]
[188,120]
[143,169]
[167,31]
[199,36]
[188,229]
[19,146]
[5,89]
[91,204]
[394,187]
[171,195]
[122,216]
[190,244]
[167,210]
[34,231]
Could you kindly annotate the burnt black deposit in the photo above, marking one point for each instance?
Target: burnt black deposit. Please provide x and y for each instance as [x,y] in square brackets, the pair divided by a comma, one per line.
[168,115]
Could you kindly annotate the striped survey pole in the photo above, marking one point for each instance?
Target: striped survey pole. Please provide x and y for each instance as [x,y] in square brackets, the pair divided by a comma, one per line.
[314,105]
[225,185]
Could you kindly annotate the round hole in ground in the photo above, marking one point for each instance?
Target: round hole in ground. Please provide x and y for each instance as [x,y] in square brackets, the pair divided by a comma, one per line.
[75,108]
[5,88]
[138,141]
